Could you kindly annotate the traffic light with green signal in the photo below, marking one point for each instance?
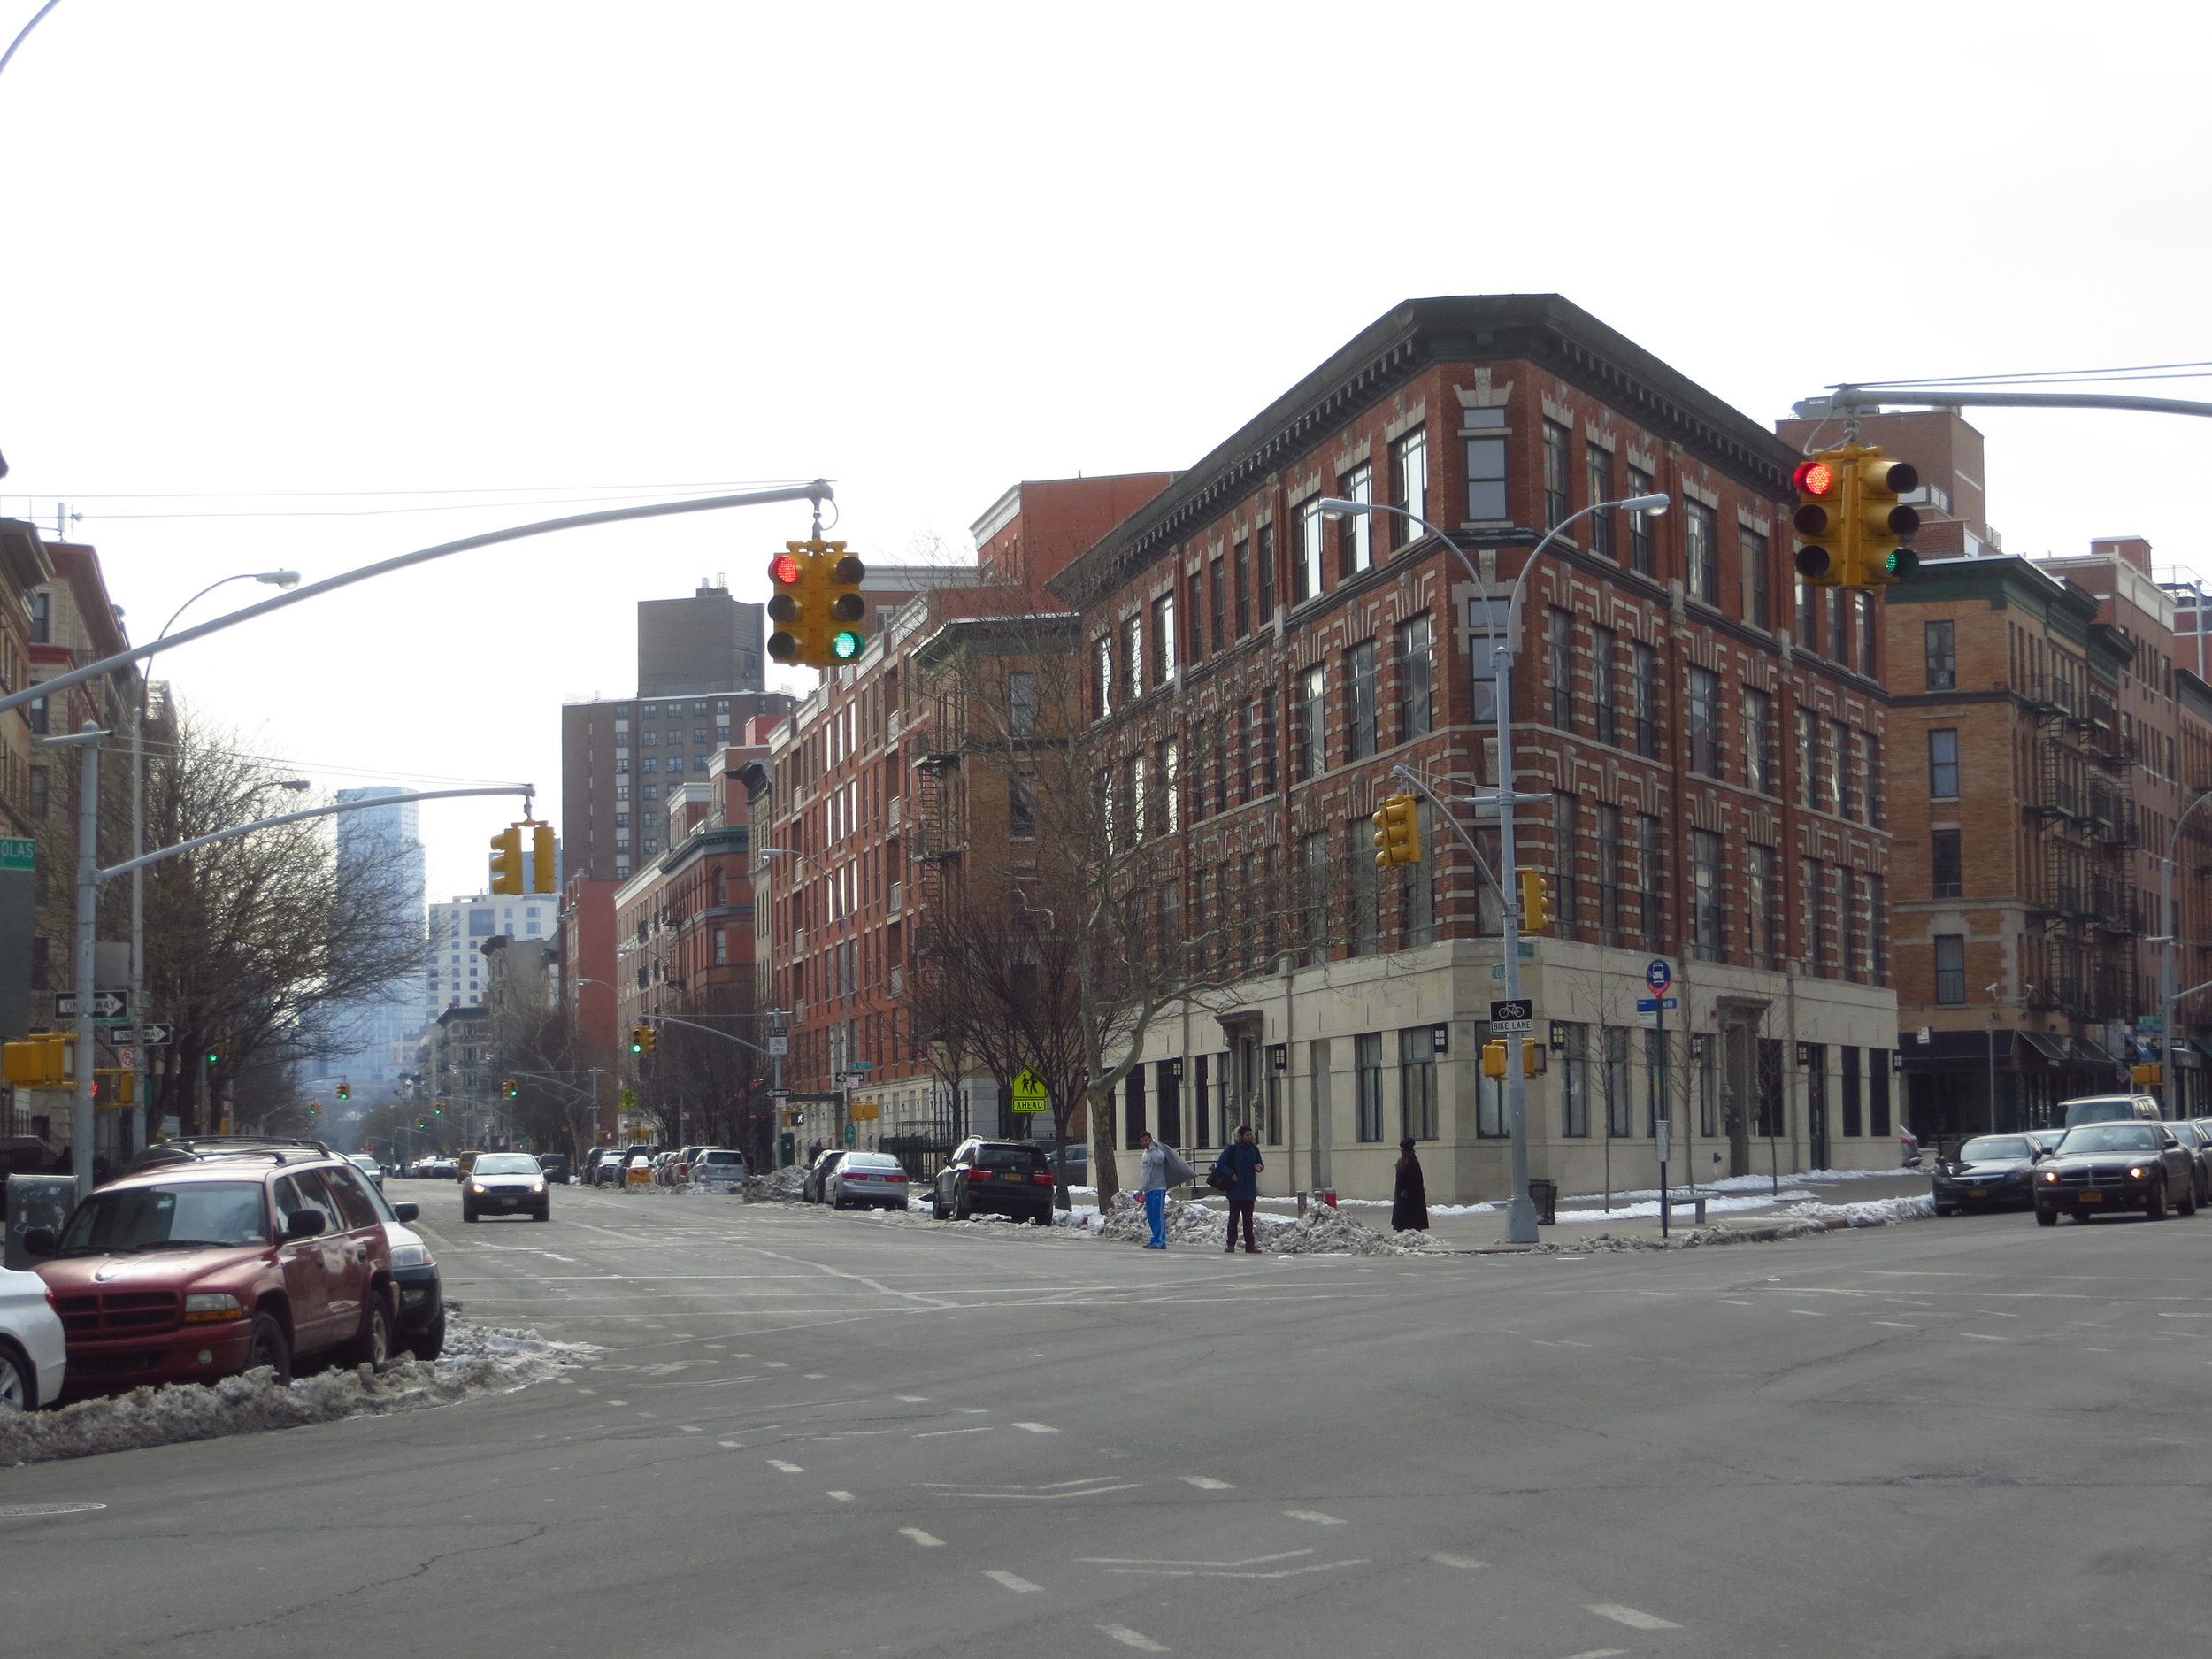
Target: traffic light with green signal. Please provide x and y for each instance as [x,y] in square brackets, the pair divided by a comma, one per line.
[1851,521]
[1397,831]
[815,604]
[507,860]
[1886,523]
[848,607]
[509,1088]
[345,1091]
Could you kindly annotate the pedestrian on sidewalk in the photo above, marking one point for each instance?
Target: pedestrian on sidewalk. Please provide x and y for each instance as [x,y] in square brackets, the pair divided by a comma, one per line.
[1409,1204]
[1240,1161]
[1152,1184]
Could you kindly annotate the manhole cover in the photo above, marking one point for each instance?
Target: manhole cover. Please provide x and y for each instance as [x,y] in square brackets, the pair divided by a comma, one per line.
[12,1510]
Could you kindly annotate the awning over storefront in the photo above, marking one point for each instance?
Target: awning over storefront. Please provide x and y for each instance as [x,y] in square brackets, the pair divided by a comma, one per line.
[1953,1047]
[2049,1047]
[2088,1053]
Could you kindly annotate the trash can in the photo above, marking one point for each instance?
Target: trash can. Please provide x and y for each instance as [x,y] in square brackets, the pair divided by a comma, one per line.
[1544,1196]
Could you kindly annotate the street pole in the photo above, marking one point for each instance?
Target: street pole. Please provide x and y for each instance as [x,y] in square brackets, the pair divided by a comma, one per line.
[87,740]
[2169,968]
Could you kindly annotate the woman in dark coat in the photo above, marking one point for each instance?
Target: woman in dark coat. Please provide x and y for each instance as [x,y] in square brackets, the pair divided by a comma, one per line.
[1409,1204]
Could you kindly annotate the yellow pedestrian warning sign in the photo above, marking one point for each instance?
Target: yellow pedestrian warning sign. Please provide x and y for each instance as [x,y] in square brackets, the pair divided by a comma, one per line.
[1029,1091]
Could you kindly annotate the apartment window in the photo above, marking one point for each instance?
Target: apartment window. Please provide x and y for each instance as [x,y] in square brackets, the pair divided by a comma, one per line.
[1316,897]
[1807,759]
[1366,922]
[1640,554]
[1305,576]
[1559,667]
[1604,688]
[1643,665]
[1706,924]
[1356,532]
[1416,1083]
[1417,887]
[1416,675]
[1751,558]
[1310,713]
[1705,722]
[1409,474]
[1839,629]
[1608,843]
[1240,564]
[1758,740]
[1877,1061]
[1367,1073]
[1360,665]
[1163,638]
[1558,503]
[1566,896]
[1132,645]
[1816,884]
[1648,879]
[1263,723]
[1242,748]
[1194,598]
[1808,616]
[39,795]
[1021,806]
[1021,703]
[1762,900]
[1939,648]
[1701,551]
[721,945]
[1870,658]
[1597,465]
[1266,546]
[1950,969]
[622,792]
[1139,799]
[1482,433]
[1102,675]
[1574,1079]
[1943,764]
[1615,1080]
[41,618]
[1947,865]
[1846,785]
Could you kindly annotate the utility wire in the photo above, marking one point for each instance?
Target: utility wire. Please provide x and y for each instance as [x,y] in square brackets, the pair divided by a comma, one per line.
[2147,371]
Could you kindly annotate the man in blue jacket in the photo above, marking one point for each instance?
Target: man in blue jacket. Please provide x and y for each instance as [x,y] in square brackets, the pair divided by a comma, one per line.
[1240,1160]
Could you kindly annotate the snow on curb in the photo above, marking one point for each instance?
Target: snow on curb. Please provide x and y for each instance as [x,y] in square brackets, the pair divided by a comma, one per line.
[478,1360]
[1320,1231]
[1872,1212]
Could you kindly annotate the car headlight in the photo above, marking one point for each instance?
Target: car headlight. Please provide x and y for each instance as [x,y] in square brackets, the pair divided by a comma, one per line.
[2050,1175]
[412,1255]
[2136,1174]
[537,1186]
[210,1307]
[476,1187]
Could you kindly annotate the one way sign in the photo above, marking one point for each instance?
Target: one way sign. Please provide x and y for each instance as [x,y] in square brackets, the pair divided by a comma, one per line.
[105,1004]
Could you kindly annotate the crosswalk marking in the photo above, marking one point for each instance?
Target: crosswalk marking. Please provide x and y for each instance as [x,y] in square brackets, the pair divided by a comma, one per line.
[1012,1581]
[1206,1483]
[1129,1638]
[789,1469]
[1630,1617]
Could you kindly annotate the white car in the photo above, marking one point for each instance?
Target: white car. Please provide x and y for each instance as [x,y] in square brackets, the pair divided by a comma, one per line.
[33,1355]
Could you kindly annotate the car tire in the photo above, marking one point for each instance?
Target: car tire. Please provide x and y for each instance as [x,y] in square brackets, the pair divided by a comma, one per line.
[937,1210]
[542,1215]
[2187,1204]
[372,1345]
[961,1209]
[18,1383]
[431,1343]
[467,1214]
[2046,1217]
[267,1347]
[2155,1202]
[1946,1209]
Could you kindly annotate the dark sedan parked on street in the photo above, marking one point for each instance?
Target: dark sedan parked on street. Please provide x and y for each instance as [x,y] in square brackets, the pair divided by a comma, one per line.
[2115,1166]
[1988,1172]
[1010,1177]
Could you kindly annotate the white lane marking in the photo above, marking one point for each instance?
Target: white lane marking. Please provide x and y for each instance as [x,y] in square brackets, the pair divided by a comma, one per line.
[1806,1313]
[1221,1569]
[816,1376]
[1629,1616]
[1129,1638]
[1012,1581]
[686,1428]
[1044,1428]
[1206,1483]
[912,1400]
[1316,1517]
[842,1497]
[732,1445]
[618,1402]
[789,1469]
[1978,1337]
[777,1365]
[931,1434]
[1894,1325]
[924,1538]
[1457,1561]
[1600,1653]
[1141,1561]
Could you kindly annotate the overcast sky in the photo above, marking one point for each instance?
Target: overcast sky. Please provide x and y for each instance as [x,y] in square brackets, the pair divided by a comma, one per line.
[542,249]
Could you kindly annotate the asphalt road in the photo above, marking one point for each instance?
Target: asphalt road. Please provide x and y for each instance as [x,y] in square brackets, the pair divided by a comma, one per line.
[823,1434]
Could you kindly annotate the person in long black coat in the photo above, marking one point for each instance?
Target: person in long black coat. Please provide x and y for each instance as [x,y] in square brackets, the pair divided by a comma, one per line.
[1409,1204]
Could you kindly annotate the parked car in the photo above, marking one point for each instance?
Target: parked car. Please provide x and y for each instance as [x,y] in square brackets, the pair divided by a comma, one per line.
[2198,1138]
[367,1165]
[419,1327]
[608,1171]
[2113,1165]
[216,1257]
[1008,1178]
[556,1167]
[679,1163]
[1989,1171]
[34,1352]
[718,1166]
[2109,1108]
[817,1172]
[506,1183]
[866,1180]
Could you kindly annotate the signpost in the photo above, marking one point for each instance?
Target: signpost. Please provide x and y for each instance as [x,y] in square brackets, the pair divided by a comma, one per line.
[1653,1007]
[1029,1092]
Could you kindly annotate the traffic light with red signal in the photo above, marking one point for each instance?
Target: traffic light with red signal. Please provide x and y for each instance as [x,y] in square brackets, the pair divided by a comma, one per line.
[1850,520]
[815,604]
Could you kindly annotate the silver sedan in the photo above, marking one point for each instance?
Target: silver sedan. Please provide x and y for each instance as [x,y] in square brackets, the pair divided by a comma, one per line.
[868,1180]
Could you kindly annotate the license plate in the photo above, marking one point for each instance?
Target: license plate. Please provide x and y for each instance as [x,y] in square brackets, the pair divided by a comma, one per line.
[2090,1198]
[1977,1192]
[506,1203]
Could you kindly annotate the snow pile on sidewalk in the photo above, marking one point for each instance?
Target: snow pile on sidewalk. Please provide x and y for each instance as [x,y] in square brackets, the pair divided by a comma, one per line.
[478,1360]
[1321,1231]
[1643,1206]
[1871,1212]
[785,1184]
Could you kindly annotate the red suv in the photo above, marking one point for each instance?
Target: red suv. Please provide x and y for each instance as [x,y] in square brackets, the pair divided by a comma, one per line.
[213,1256]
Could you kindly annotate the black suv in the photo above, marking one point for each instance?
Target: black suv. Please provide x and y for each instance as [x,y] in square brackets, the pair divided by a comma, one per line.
[2123,1165]
[1010,1177]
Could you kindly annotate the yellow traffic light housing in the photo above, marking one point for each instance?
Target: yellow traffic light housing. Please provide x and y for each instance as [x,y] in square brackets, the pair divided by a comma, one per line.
[794,604]
[1850,519]
[1535,901]
[1495,1056]
[45,1059]
[345,1091]
[509,1088]
[1884,524]
[652,1038]
[543,875]
[848,607]
[1823,520]
[507,860]
[642,1039]
[1397,831]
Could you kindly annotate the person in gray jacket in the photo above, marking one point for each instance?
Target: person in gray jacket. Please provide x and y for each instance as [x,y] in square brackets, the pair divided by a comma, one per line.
[1152,1184]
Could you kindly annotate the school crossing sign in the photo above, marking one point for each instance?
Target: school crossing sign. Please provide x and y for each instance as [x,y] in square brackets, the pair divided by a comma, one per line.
[1029,1091]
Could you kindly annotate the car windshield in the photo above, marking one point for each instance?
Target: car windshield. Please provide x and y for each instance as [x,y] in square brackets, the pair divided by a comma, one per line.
[2101,1110]
[191,1214]
[506,1163]
[1987,1146]
[722,1157]
[1009,1158]
[2110,1138]
[361,1158]
[870,1161]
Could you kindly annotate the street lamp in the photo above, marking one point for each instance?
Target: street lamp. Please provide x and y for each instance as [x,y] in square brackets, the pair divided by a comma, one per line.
[1520,1212]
